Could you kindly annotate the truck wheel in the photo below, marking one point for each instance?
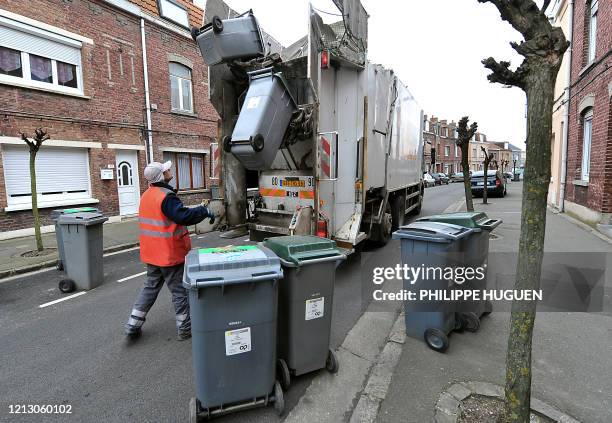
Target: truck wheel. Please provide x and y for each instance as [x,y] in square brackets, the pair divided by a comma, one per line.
[381,233]
[217,24]
[398,212]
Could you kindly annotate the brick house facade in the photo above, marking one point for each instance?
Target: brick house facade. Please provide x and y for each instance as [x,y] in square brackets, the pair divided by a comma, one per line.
[589,151]
[441,136]
[76,69]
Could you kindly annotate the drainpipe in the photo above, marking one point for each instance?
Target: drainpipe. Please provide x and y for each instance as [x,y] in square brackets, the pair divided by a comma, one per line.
[146,88]
[566,101]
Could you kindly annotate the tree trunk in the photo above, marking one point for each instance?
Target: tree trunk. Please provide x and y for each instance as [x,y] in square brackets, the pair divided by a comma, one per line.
[540,98]
[39,243]
[467,184]
[486,182]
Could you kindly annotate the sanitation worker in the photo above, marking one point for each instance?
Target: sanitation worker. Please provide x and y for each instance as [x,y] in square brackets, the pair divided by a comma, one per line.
[164,243]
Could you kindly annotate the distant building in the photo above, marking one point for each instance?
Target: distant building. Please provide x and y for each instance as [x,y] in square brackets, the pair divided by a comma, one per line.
[441,137]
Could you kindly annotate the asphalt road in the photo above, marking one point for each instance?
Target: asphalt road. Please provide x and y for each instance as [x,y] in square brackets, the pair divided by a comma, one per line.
[74,352]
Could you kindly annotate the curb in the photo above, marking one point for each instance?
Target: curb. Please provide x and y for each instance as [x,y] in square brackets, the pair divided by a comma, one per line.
[447,407]
[52,263]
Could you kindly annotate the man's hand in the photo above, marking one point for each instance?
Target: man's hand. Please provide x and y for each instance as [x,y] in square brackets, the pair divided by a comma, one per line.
[211,216]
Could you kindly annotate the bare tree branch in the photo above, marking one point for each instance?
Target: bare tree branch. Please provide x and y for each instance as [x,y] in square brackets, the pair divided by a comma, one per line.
[545,5]
[501,73]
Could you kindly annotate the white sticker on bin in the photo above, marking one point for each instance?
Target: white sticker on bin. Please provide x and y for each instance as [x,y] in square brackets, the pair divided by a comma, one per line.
[253,102]
[237,341]
[315,308]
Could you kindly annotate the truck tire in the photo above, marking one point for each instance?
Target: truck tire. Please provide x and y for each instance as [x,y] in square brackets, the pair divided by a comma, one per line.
[398,212]
[381,233]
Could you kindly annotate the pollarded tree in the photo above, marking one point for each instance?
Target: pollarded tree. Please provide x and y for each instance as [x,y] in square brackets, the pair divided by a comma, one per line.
[34,145]
[464,135]
[543,48]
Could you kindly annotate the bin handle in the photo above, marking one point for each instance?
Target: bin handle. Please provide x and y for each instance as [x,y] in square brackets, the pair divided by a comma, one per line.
[491,224]
[253,278]
[337,257]
[261,72]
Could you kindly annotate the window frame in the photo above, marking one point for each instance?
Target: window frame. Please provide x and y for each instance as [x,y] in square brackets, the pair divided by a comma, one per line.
[585,161]
[593,8]
[160,7]
[447,151]
[174,158]
[180,80]
[25,80]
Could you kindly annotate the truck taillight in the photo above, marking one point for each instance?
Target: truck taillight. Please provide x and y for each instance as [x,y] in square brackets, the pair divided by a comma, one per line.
[322,228]
[324,59]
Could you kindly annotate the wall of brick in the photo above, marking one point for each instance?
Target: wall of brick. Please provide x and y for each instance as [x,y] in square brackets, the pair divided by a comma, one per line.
[591,80]
[440,140]
[113,110]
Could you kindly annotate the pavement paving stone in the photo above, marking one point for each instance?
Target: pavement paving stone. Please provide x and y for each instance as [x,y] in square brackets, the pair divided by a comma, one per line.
[459,391]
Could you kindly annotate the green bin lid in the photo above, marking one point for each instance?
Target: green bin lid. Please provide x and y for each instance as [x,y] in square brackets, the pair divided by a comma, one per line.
[80,210]
[465,219]
[297,248]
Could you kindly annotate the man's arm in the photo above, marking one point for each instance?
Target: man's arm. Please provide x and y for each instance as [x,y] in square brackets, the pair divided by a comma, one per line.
[173,209]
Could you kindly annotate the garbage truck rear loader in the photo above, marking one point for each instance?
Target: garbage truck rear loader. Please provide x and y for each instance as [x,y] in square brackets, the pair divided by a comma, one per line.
[348,165]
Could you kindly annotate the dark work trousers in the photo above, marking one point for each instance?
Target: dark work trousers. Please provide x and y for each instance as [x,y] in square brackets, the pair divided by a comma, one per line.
[156,276]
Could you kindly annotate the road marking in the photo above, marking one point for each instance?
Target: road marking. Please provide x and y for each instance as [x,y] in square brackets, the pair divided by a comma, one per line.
[127,250]
[78,294]
[127,278]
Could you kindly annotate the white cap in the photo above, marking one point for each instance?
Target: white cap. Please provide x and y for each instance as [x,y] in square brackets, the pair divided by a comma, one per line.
[154,172]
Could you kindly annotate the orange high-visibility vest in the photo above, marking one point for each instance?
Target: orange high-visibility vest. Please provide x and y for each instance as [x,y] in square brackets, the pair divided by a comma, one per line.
[162,242]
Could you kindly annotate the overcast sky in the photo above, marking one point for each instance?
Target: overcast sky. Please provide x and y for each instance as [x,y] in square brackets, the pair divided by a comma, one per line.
[434,46]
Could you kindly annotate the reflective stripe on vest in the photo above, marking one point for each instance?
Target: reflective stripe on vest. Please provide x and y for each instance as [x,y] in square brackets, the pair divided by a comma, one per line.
[162,242]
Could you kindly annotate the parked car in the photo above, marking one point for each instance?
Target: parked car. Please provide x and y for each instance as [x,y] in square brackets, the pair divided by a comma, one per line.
[436,178]
[444,178]
[496,183]
[508,175]
[428,180]
[458,176]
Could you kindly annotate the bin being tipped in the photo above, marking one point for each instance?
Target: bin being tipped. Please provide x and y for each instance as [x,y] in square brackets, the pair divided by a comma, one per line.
[263,120]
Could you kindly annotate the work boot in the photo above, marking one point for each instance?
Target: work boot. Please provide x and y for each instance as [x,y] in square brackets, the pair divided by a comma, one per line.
[132,332]
[183,335]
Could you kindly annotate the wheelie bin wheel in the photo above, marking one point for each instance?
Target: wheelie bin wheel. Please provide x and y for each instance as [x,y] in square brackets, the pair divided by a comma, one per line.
[488,308]
[193,410]
[67,285]
[283,373]
[458,323]
[257,142]
[471,321]
[279,399]
[60,265]
[331,364]
[436,340]
[194,33]
[227,144]
[217,24]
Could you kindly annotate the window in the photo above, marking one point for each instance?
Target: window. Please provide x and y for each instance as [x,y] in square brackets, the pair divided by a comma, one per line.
[444,132]
[587,123]
[188,170]
[447,150]
[37,58]
[180,87]
[592,39]
[174,12]
[474,153]
[124,175]
[61,174]
[457,150]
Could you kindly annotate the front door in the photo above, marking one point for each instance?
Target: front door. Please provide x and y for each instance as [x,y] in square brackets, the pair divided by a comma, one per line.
[127,182]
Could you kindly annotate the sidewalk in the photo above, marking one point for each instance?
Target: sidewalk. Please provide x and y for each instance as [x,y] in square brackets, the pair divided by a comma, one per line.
[571,351]
[117,236]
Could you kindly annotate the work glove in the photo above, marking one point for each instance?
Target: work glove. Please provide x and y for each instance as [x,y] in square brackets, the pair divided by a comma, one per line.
[208,213]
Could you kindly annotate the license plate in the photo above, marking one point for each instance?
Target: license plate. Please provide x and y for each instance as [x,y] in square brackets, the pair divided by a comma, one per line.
[480,184]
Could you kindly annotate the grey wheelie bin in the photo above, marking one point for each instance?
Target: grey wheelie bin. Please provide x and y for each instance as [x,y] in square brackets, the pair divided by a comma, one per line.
[431,245]
[263,120]
[223,40]
[233,296]
[55,214]
[305,304]
[476,253]
[82,242]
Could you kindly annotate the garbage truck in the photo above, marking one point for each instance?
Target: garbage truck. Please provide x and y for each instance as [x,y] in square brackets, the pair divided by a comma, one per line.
[332,141]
